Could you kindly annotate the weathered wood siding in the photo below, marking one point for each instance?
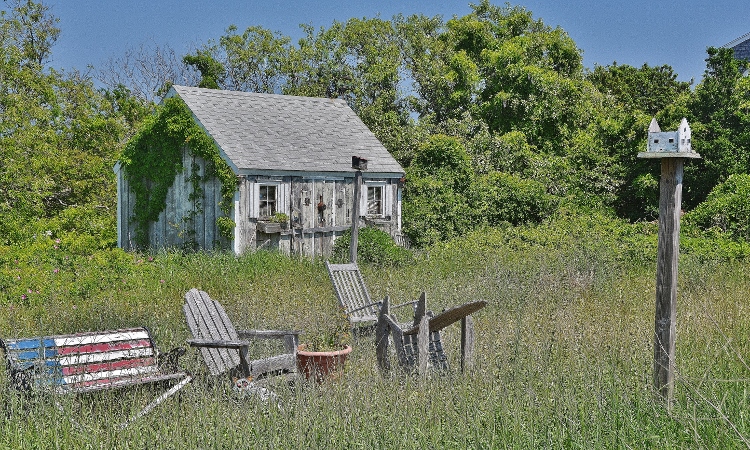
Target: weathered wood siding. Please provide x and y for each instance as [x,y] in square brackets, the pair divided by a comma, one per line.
[125,205]
[186,221]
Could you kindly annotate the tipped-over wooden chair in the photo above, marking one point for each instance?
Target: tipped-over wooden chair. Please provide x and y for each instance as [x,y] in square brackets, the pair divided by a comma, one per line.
[420,346]
[225,349]
[353,296]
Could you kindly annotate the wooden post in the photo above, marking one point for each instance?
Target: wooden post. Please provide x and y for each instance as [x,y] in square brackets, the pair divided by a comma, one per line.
[670,200]
[467,343]
[355,217]
[672,147]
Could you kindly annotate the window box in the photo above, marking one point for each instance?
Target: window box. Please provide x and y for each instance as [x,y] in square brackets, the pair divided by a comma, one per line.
[269,227]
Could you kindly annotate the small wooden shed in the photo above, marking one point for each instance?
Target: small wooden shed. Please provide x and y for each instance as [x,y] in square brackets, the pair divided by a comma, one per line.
[292,157]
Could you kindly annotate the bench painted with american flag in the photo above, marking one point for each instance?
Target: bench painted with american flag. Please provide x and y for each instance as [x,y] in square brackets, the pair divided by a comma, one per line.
[86,362]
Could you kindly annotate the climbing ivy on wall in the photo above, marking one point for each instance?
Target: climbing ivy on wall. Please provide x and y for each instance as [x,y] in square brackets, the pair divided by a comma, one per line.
[152,159]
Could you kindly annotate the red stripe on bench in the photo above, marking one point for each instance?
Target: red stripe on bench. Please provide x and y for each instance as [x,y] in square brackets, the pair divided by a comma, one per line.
[126,380]
[102,348]
[115,365]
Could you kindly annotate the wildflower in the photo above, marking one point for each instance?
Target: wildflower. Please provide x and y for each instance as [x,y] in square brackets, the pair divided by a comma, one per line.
[56,270]
[57,241]
[23,297]
[74,307]
[161,281]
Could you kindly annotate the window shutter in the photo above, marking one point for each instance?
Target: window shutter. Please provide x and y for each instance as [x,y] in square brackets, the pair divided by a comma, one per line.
[254,200]
[388,200]
[363,200]
[282,198]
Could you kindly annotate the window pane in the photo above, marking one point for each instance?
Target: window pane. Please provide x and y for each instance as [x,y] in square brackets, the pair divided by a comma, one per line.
[374,200]
[267,197]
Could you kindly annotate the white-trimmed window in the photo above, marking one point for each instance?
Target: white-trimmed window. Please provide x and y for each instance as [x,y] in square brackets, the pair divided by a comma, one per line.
[375,200]
[267,200]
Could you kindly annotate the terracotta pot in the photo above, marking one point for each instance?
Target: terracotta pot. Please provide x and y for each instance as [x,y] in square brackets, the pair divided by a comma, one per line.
[320,365]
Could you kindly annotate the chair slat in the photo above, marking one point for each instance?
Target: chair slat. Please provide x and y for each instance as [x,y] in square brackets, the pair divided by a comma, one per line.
[207,320]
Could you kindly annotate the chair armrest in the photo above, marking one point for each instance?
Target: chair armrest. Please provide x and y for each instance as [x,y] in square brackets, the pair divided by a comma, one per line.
[211,343]
[268,334]
[290,337]
[413,302]
[378,304]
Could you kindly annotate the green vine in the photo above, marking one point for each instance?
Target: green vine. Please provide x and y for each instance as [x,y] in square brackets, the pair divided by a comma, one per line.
[152,159]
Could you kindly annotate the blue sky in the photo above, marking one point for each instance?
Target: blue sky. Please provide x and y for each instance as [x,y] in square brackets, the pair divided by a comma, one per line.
[632,32]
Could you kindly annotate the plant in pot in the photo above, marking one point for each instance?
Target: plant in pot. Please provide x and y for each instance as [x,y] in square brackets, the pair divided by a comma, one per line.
[324,353]
[280,218]
[274,223]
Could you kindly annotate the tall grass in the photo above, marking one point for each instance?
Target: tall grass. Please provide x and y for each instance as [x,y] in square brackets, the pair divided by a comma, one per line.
[564,348]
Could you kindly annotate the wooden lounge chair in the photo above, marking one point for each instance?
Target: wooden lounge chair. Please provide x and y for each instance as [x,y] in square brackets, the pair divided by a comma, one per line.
[225,349]
[420,346]
[353,296]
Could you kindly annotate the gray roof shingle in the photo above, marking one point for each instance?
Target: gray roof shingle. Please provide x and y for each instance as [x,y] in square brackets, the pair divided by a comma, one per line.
[260,132]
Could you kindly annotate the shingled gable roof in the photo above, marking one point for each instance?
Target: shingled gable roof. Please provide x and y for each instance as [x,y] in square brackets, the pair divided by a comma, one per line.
[741,47]
[282,133]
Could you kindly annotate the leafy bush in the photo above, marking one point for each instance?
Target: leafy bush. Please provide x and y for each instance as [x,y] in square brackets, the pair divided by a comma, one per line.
[501,197]
[373,246]
[726,208]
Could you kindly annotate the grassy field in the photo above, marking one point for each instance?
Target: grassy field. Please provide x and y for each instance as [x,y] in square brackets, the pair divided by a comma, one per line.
[564,348]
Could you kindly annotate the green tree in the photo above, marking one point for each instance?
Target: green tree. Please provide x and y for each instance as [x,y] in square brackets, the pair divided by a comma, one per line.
[726,208]
[58,140]
[254,60]
[212,71]
[436,204]
[719,115]
[646,89]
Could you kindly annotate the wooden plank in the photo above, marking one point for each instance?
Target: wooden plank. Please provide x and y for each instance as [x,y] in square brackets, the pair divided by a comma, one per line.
[199,207]
[267,334]
[340,204]
[172,222]
[325,229]
[450,316]
[329,197]
[209,212]
[308,202]
[285,362]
